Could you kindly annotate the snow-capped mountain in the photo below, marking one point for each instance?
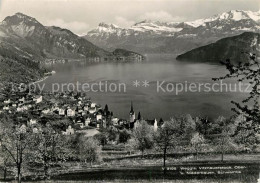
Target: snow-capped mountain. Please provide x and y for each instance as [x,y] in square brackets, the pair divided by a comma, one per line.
[233,15]
[153,28]
[154,36]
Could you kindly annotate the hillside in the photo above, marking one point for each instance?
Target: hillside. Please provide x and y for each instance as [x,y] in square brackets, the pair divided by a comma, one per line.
[25,43]
[230,47]
[174,37]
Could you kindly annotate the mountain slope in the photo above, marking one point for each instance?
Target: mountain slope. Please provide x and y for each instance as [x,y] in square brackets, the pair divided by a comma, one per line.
[231,47]
[25,43]
[174,37]
[32,37]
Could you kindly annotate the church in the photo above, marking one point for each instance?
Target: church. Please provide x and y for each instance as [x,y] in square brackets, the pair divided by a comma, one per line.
[133,122]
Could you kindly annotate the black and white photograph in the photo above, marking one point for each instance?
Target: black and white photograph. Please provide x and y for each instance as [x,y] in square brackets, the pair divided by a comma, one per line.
[129,91]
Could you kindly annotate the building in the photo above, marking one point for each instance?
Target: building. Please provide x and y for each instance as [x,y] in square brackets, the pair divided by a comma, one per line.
[99,116]
[62,112]
[87,121]
[7,101]
[32,122]
[38,99]
[132,114]
[70,112]
[115,121]
[153,123]
[69,131]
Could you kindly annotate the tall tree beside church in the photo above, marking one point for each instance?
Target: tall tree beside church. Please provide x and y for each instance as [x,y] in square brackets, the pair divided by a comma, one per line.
[139,116]
[106,108]
[248,71]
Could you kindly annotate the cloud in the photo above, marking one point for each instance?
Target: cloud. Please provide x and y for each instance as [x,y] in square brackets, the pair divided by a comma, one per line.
[159,16]
[123,22]
[76,27]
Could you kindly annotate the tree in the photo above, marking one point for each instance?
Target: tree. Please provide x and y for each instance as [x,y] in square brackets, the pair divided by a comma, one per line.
[249,71]
[15,140]
[101,138]
[88,149]
[222,140]
[47,148]
[166,137]
[124,136]
[139,116]
[143,136]
[5,160]
[106,108]
[197,142]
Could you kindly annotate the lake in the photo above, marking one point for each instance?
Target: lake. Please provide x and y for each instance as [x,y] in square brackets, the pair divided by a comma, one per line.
[159,99]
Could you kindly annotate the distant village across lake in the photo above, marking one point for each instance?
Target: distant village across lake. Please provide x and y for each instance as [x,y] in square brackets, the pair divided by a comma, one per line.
[119,55]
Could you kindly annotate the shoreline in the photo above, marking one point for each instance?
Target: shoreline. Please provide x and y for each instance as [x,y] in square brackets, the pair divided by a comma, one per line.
[47,75]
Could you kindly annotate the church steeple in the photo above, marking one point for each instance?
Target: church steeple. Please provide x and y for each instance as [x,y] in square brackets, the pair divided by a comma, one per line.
[132,113]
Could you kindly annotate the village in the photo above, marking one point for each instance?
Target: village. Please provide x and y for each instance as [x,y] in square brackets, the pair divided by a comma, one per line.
[75,110]
[118,55]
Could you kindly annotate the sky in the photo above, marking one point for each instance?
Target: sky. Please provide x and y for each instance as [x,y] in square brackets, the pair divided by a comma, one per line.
[80,16]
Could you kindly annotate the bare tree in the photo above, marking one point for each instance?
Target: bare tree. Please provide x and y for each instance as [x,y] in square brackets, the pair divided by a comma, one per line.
[222,140]
[46,148]
[166,137]
[15,141]
[248,71]
[88,150]
[5,160]
[143,136]
[197,142]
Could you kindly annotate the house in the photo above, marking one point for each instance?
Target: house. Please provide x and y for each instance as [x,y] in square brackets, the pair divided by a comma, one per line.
[153,123]
[7,101]
[22,108]
[87,121]
[46,111]
[6,108]
[99,124]
[32,122]
[69,131]
[115,120]
[21,100]
[23,128]
[37,99]
[92,110]
[85,108]
[35,130]
[93,105]
[99,116]
[71,112]
[122,122]
[62,112]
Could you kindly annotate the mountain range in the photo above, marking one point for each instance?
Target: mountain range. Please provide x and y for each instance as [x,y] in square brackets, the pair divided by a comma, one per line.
[174,37]
[25,43]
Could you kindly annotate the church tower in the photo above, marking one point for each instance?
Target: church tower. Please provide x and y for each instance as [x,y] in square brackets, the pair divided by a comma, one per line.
[132,114]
